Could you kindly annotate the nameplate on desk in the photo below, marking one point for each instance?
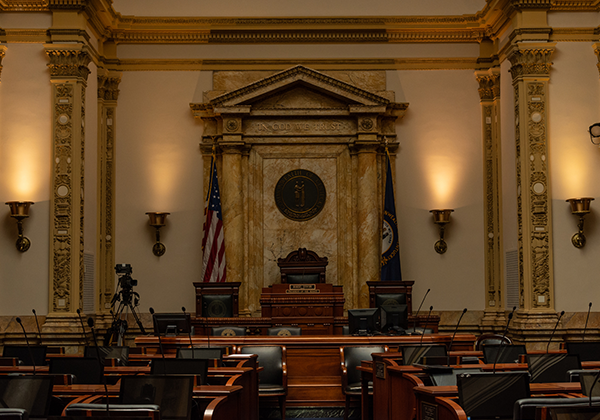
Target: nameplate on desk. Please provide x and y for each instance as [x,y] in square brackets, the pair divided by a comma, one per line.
[303,288]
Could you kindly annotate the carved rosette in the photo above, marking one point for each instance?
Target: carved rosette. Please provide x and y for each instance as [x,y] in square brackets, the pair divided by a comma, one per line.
[68,63]
[530,72]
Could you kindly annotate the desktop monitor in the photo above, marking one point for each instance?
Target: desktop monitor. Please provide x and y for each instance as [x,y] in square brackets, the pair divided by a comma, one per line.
[503,353]
[172,324]
[32,393]
[86,370]
[210,353]
[120,353]
[394,318]
[25,354]
[414,354]
[588,351]
[193,367]
[172,393]
[364,321]
[552,367]
[487,395]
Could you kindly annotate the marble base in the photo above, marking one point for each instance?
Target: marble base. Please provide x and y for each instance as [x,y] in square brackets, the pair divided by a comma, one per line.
[309,413]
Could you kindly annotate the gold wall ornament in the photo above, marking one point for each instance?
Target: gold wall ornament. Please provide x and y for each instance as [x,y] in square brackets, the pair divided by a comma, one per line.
[579,207]
[441,217]
[19,210]
[158,220]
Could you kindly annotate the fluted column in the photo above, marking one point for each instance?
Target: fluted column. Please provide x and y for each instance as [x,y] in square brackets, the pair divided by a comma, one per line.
[531,74]
[108,93]
[68,75]
[489,94]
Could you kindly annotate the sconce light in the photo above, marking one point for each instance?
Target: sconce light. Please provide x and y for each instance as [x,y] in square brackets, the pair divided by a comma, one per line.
[594,131]
[158,220]
[441,217]
[20,210]
[580,207]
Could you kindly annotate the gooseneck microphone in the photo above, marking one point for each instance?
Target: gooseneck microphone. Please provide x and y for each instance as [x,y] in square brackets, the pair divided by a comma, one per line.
[189,333]
[554,330]
[90,322]
[510,316]
[160,344]
[455,330]
[425,326]
[28,346]
[417,314]
[82,326]
[586,321]
[38,325]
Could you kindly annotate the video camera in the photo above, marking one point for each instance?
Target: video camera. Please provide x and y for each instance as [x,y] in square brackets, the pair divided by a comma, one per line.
[124,271]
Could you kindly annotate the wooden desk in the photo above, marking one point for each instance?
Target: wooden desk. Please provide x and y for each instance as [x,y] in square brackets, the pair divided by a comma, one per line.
[313,362]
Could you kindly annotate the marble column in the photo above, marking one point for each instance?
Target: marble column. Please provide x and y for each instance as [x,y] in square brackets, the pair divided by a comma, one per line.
[108,93]
[68,75]
[489,93]
[530,71]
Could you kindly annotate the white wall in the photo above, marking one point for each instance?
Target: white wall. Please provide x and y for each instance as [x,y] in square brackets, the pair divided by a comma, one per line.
[439,165]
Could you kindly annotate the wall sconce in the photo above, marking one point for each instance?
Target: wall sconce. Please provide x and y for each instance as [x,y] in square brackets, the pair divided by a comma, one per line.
[158,220]
[594,131]
[20,210]
[441,218]
[579,207]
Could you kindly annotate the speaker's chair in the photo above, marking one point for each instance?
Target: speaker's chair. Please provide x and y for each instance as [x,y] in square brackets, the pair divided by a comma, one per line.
[284,331]
[302,267]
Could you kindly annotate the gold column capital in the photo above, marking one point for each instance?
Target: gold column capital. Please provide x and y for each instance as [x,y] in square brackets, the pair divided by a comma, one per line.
[489,84]
[108,86]
[68,60]
[530,59]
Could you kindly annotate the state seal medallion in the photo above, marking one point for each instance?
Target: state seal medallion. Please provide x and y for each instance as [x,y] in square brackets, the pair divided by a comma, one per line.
[300,195]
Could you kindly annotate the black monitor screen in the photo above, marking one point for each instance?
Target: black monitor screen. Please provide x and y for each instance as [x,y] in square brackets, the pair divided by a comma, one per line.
[121,353]
[448,377]
[24,354]
[551,367]
[505,353]
[414,354]
[364,321]
[172,393]
[211,353]
[86,370]
[197,367]
[32,393]
[588,351]
[487,395]
[394,317]
[172,324]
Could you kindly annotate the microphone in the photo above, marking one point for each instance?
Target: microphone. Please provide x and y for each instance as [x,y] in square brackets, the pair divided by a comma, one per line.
[160,344]
[82,326]
[510,316]
[415,319]
[189,333]
[90,322]
[552,335]
[28,347]
[586,321]
[455,330]
[425,327]
[38,325]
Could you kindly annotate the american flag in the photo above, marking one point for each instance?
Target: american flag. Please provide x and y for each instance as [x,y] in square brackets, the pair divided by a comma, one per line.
[213,243]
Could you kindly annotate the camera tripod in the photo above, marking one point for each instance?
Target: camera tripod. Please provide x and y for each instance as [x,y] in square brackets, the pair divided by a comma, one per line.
[128,299]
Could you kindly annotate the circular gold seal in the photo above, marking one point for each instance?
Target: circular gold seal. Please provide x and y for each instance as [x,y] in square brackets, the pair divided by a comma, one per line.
[300,195]
[284,333]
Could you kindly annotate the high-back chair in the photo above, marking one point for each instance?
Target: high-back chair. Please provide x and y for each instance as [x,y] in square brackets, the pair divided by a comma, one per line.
[273,376]
[228,331]
[491,338]
[30,393]
[284,331]
[350,358]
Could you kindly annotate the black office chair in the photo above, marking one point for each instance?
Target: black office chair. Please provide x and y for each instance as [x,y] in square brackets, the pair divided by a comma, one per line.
[30,393]
[228,331]
[13,414]
[484,339]
[151,411]
[86,370]
[273,376]
[351,357]
[284,331]
[525,409]
[109,355]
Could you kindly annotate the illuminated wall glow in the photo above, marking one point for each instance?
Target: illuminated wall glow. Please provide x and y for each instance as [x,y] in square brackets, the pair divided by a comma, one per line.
[26,167]
[164,174]
[443,174]
[574,167]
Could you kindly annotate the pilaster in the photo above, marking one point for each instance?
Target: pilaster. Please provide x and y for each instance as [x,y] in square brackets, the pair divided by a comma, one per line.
[68,75]
[3,49]
[489,94]
[531,73]
[108,94]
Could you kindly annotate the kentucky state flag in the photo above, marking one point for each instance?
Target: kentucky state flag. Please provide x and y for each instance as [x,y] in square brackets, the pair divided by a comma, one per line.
[390,248]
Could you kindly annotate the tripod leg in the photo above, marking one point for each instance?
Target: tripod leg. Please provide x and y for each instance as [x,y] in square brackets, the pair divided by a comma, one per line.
[137,319]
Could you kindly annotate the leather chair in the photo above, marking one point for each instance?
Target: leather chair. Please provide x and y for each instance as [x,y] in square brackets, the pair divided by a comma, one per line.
[350,358]
[13,414]
[228,331]
[124,410]
[273,376]
[302,267]
[491,339]
[284,331]
[525,409]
